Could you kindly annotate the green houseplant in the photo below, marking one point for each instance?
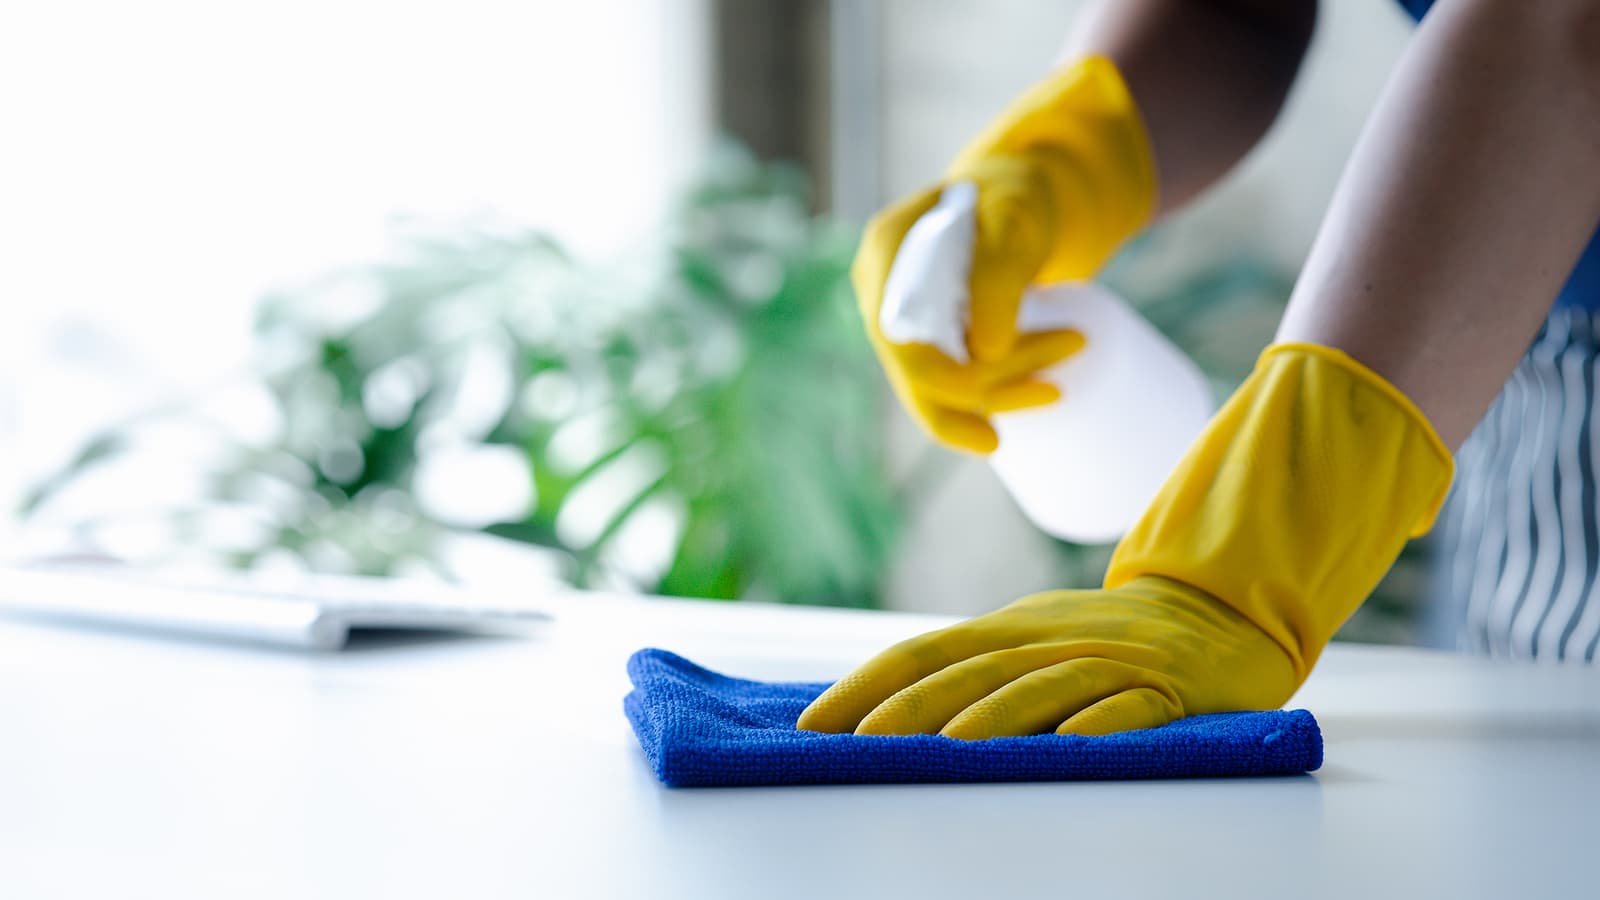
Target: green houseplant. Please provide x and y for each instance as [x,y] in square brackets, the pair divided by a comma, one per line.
[715,384]
[703,418]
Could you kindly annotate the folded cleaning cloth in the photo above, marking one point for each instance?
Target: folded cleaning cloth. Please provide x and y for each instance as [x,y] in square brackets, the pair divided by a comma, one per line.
[699,728]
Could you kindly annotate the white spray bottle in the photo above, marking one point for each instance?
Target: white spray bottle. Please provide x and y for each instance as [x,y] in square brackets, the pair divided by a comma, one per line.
[1084,468]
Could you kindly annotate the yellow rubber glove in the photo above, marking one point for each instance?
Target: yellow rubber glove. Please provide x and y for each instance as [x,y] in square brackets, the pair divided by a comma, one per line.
[1286,512]
[1063,177]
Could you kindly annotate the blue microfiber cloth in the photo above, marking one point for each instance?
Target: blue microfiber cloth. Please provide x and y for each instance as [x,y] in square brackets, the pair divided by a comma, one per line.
[699,728]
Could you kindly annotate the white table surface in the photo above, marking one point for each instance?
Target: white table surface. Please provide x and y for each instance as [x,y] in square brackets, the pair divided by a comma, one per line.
[502,766]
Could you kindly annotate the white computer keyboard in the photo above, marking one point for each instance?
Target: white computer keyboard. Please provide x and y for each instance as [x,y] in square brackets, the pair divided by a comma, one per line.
[309,611]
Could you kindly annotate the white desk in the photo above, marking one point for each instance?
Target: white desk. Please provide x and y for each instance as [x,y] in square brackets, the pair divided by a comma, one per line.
[503,767]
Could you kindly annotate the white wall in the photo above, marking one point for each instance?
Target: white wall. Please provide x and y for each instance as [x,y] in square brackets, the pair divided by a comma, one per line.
[947,67]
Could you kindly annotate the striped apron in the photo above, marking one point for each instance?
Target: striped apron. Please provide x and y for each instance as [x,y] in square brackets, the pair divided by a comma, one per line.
[1517,549]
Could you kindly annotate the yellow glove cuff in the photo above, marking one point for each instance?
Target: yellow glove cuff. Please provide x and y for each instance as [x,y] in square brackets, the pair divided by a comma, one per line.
[1081,129]
[1296,498]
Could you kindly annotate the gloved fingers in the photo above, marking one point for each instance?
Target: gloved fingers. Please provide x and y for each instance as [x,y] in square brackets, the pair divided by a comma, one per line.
[953,428]
[843,705]
[942,380]
[996,295]
[1032,353]
[1010,245]
[1127,711]
[1017,395]
[926,706]
[997,387]
[1040,700]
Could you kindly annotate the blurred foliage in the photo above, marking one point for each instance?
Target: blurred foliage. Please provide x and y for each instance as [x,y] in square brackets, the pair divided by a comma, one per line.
[714,394]
[703,418]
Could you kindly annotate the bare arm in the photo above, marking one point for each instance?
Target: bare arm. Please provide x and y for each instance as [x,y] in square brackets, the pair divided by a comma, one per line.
[1469,198]
[1209,76]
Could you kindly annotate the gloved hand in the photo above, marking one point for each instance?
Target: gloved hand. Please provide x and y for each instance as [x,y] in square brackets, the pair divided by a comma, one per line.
[1281,519]
[1073,662]
[1063,177]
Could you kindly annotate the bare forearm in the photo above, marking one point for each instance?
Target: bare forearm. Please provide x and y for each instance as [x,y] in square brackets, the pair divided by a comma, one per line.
[1465,206]
[1209,76]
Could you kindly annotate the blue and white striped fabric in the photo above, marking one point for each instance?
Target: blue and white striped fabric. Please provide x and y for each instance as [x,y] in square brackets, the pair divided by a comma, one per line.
[1518,548]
